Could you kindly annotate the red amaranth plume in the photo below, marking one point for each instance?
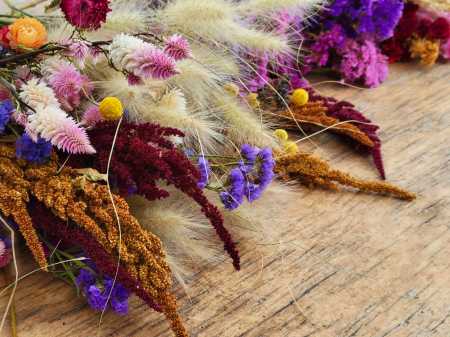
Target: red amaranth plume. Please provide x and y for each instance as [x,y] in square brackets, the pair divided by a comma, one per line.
[142,156]
[345,112]
[44,219]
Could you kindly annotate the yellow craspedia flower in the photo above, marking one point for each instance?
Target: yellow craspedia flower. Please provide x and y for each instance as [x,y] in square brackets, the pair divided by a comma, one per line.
[232,89]
[111,108]
[290,147]
[300,97]
[281,134]
[252,100]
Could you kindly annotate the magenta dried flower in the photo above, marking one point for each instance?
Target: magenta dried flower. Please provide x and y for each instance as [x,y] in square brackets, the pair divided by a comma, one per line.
[177,47]
[85,14]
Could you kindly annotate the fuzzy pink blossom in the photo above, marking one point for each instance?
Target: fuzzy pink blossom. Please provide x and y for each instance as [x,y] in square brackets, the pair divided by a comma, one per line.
[66,82]
[134,80]
[4,93]
[91,117]
[5,254]
[85,14]
[96,53]
[80,50]
[54,125]
[149,61]
[177,47]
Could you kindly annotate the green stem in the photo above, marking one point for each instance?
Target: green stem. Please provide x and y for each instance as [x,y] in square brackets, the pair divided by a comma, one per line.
[211,156]
[51,247]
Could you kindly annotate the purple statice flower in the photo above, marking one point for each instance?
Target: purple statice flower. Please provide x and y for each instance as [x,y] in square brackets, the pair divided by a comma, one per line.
[95,297]
[265,176]
[5,113]
[325,42]
[234,196]
[363,60]
[203,166]
[250,152]
[97,293]
[177,48]
[357,17]
[85,278]
[27,149]
[250,178]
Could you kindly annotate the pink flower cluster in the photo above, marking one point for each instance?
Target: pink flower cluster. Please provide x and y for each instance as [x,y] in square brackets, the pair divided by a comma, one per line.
[363,60]
[67,82]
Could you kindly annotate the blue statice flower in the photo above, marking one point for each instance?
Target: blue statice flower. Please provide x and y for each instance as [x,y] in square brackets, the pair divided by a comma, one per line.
[234,197]
[5,113]
[27,149]
[203,166]
[97,292]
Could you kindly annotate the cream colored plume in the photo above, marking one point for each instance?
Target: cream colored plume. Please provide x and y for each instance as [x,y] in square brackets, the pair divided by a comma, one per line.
[268,6]
[35,93]
[187,236]
[218,21]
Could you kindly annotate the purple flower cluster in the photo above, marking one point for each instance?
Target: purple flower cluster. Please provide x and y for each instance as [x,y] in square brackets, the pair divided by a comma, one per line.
[357,17]
[250,178]
[97,293]
[5,113]
[27,149]
[325,42]
[203,166]
[363,60]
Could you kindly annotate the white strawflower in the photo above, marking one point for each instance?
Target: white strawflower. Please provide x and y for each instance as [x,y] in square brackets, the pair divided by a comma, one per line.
[122,49]
[35,93]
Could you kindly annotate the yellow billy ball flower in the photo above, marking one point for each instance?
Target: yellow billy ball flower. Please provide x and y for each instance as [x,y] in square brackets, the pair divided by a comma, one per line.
[300,97]
[232,89]
[110,108]
[252,100]
[281,134]
[290,147]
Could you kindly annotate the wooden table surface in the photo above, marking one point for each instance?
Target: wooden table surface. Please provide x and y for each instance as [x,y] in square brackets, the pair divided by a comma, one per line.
[357,264]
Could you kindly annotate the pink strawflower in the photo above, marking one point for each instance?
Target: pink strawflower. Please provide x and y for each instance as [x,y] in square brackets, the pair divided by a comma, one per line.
[54,125]
[177,47]
[134,80]
[149,61]
[91,117]
[85,14]
[5,254]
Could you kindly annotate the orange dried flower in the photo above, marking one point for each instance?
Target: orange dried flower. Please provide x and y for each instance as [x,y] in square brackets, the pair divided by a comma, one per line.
[313,171]
[427,50]
[28,32]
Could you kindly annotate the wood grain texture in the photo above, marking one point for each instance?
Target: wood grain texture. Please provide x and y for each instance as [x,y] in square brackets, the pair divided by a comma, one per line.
[387,267]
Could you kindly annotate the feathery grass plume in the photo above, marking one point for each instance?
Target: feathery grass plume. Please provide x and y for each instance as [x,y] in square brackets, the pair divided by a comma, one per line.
[313,171]
[201,79]
[269,6]
[14,197]
[54,125]
[150,103]
[36,92]
[218,20]
[243,124]
[182,228]
[434,5]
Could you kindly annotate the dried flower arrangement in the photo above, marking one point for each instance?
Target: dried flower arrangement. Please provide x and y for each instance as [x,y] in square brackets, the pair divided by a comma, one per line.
[128,128]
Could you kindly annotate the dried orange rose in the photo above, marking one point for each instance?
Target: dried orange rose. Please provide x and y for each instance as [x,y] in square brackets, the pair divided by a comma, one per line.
[27,32]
